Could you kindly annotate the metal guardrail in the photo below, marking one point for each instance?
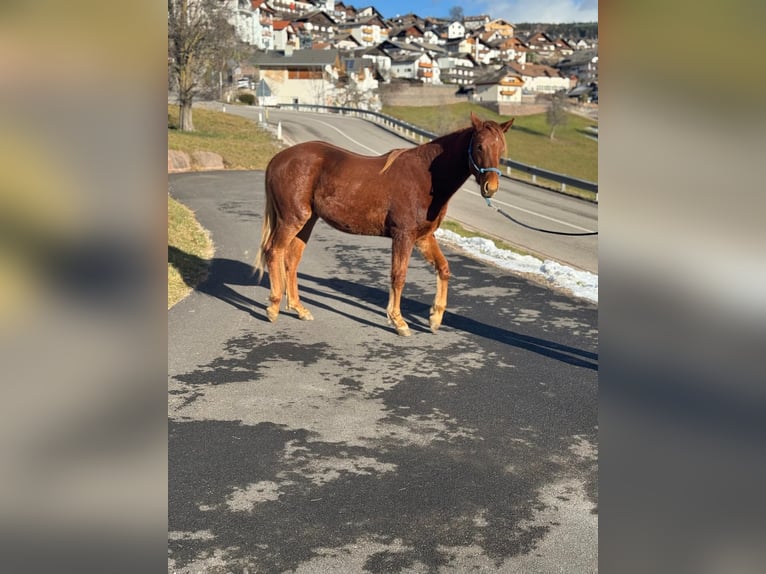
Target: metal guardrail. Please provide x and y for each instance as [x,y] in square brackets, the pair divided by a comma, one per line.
[416,133]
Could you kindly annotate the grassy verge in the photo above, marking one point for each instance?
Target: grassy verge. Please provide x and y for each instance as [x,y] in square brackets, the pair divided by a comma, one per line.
[241,142]
[571,153]
[189,252]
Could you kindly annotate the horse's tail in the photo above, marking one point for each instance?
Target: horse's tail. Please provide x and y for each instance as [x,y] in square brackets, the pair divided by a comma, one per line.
[267,231]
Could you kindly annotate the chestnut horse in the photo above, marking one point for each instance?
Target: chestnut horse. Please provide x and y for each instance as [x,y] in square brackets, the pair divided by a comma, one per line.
[402,194]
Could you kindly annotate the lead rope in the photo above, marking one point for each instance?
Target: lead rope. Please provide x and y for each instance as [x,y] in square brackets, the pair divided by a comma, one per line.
[481,170]
[516,221]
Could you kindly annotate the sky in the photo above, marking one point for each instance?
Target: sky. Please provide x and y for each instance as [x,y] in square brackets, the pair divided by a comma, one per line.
[515,11]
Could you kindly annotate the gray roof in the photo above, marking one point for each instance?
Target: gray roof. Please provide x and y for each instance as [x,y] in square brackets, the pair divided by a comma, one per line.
[304,58]
[493,77]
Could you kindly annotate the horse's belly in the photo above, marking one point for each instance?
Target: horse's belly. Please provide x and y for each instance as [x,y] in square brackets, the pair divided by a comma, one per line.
[351,218]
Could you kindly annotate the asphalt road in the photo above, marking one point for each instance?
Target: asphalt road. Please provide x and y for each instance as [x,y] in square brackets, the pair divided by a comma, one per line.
[337,446]
[530,204]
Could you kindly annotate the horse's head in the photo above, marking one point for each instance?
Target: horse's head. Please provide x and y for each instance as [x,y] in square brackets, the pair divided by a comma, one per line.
[484,152]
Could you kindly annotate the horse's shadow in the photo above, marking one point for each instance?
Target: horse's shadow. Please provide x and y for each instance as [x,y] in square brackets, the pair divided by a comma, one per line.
[221,274]
[226,272]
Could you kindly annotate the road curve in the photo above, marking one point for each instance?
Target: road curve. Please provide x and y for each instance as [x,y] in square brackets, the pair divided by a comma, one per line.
[336,446]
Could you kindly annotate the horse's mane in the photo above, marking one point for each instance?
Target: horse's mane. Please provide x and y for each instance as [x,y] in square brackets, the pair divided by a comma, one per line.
[392,158]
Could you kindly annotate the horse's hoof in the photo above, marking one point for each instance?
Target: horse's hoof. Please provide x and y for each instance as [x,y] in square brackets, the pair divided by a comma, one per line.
[305,315]
[403,331]
[435,326]
[272,315]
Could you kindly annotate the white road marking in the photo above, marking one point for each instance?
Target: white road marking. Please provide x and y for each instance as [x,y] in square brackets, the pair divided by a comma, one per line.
[540,215]
[360,144]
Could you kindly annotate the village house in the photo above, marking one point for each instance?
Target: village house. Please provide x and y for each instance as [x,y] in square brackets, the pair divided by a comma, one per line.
[369,31]
[416,66]
[502,27]
[504,86]
[457,69]
[541,42]
[455,30]
[302,76]
[284,35]
[539,78]
[252,21]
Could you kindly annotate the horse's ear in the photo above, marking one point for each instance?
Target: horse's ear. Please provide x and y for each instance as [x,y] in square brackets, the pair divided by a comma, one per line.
[477,123]
[506,126]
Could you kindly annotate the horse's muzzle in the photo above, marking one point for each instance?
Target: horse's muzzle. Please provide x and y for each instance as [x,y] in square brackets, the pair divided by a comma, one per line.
[488,190]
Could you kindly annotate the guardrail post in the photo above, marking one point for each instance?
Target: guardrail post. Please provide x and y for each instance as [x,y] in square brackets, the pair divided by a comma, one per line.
[563,186]
[279,131]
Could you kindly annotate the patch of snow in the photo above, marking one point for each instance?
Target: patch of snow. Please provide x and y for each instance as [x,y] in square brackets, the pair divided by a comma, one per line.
[580,283]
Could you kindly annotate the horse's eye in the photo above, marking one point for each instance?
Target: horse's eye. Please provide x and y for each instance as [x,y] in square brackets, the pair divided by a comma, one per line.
[479,147]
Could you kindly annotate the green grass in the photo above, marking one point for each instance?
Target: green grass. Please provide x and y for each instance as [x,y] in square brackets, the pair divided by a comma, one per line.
[189,252]
[570,153]
[241,142]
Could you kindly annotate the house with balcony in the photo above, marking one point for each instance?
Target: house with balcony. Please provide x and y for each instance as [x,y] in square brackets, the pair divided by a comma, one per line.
[458,69]
[300,76]
[416,66]
[504,86]
[318,25]
[502,27]
[292,7]
[369,31]
[252,22]
[285,35]
[539,78]
[512,49]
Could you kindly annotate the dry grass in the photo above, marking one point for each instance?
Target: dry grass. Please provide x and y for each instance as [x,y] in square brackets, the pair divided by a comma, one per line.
[189,252]
[241,142]
[243,145]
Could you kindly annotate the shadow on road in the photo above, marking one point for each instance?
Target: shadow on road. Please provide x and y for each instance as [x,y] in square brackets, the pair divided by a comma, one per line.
[226,272]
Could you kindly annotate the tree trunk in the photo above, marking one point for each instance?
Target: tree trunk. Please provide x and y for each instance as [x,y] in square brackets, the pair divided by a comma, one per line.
[185,96]
[553,132]
[185,123]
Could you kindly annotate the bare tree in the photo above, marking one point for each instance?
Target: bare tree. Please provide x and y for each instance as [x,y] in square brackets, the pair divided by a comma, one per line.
[198,38]
[456,13]
[557,114]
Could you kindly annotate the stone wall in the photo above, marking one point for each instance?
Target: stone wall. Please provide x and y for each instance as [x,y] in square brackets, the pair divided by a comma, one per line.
[405,94]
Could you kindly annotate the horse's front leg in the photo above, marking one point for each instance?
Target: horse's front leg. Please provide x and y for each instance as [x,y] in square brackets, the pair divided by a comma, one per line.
[401,249]
[433,254]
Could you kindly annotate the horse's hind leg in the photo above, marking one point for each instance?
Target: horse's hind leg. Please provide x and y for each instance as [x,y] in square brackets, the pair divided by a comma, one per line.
[431,252]
[276,262]
[401,249]
[292,260]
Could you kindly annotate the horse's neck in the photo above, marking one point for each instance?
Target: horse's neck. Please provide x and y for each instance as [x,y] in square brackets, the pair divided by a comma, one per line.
[450,162]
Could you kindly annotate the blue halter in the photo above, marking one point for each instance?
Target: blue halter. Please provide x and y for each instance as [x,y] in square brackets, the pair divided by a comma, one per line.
[476,167]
